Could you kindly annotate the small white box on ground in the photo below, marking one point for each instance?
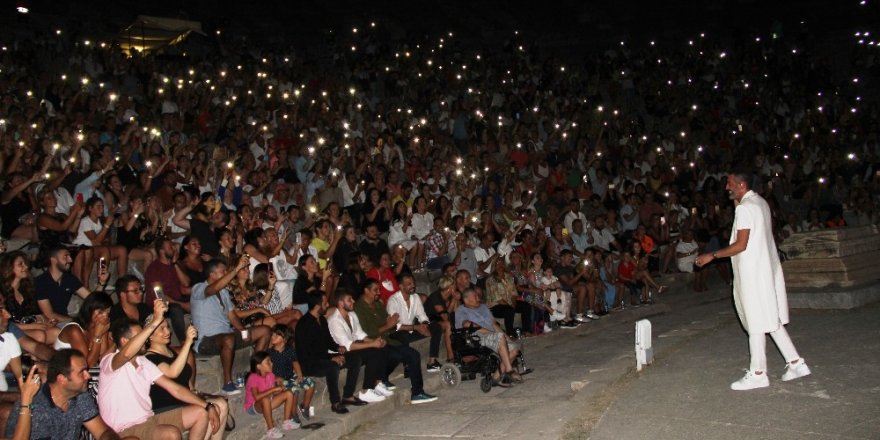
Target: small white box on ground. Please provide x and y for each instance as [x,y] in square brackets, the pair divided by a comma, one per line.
[644,350]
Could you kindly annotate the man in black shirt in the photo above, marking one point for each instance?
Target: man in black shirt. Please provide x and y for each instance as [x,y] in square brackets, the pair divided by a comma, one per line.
[372,245]
[314,346]
[131,300]
[57,285]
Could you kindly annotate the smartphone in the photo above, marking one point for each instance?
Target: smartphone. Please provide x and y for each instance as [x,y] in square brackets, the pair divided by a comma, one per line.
[79,198]
[694,211]
[157,290]
[271,269]
[102,263]
[663,220]
[610,186]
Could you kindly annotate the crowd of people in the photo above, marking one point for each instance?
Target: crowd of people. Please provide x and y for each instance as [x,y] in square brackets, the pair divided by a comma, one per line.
[288,204]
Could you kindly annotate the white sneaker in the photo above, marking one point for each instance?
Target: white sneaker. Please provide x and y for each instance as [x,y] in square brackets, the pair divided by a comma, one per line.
[751,381]
[547,328]
[794,371]
[290,424]
[371,396]
[592,315]
[274,433]
[382,390]
[581,318]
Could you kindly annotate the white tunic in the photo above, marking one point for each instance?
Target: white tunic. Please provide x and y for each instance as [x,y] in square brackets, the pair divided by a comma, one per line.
[758,286]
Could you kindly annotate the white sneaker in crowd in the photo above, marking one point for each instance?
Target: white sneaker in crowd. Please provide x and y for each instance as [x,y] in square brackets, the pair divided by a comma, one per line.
[382,390]
[371,396]
[751,381]
[794,371]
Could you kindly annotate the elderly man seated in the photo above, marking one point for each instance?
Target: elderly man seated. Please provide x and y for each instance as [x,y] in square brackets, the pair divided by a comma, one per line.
[475,315]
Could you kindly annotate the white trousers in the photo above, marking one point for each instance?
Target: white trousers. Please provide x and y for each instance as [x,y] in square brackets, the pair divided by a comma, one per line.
[758,348]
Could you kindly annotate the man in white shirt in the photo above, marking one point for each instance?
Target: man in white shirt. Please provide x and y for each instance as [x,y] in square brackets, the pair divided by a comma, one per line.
[601,235]
[413,323]
[358,349]
[485,255]
[574,214]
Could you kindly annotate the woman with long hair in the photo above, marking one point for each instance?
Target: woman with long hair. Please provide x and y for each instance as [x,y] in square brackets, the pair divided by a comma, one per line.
[139,227]
[401,233]
[309,282]
[17,288]
[90,332]
[55,228]
[265,282]
[93,232]
[347,245]
[179,366]
[385,276]
[190,260]
[376,211]
[249,308]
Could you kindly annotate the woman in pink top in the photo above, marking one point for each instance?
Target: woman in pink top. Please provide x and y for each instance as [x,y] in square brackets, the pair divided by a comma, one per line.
[264,392]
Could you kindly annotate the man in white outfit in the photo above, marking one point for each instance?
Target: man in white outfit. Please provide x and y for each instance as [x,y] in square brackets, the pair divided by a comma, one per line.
[758,288]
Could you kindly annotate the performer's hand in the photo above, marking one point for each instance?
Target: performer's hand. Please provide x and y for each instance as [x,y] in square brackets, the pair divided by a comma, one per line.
[703,259]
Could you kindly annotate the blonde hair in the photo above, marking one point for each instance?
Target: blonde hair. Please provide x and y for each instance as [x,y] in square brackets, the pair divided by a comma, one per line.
[445,282]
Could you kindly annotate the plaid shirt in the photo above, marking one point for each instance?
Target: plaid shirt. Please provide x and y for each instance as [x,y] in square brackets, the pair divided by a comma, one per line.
[436,241]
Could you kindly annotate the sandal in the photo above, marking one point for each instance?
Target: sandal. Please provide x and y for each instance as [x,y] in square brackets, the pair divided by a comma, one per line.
[503,381]
[514,377]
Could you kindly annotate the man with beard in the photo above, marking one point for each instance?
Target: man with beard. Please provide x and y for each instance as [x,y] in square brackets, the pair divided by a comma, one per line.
[759,287]
[62,406]
[319,355]
[166,279]
[124,394]
[57,285]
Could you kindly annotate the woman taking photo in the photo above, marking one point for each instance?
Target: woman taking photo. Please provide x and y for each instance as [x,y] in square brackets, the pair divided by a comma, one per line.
[55,228]
[140,225]
[177,365]
[265,283]
[309,282]
[93,232]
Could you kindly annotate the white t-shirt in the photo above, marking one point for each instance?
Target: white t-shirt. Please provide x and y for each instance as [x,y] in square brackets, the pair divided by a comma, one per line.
[9,349]
[482,255]
[85,225]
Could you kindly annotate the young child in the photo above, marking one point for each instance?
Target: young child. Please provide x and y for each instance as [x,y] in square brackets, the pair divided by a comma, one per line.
[286,366]
[264,392]
[559,301]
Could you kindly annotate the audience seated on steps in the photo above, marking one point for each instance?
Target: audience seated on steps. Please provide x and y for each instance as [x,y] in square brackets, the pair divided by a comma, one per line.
[412,322]
[378,323]
[124,389]
[220,330]
[359,349]
[320,355]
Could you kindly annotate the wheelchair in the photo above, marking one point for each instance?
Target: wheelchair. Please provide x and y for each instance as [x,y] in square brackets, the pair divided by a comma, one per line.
[471,358]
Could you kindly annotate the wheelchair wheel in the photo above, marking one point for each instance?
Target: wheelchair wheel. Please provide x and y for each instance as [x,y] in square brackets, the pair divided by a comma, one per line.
[486,384]
[450,375]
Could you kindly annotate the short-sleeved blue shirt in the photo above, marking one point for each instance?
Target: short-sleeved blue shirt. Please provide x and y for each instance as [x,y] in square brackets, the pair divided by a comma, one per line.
[49,422]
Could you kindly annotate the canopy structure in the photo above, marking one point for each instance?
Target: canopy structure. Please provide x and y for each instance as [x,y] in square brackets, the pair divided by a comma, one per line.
[149,33]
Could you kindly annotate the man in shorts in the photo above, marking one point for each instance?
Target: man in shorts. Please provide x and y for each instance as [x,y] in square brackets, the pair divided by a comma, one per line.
[220,331]
[124,395]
